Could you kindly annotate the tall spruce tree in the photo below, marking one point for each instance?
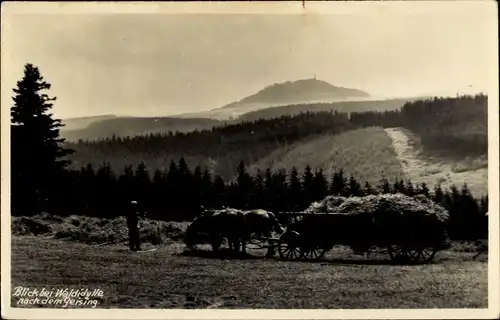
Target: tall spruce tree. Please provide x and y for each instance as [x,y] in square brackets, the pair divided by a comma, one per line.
[295,192]
[268,188]
[410,190]
[384,186]
[320,185]
[244,189]
[483,205]
[37,154]
[368,189]
[338,183]
[354,188]
[438,196]
[424,189]
[258,200]
[279,190]
[158,188]
[173,179]
[220,190]
[142,183]
[207,195]
[87,188]
[307,187]
[396,187]
[105,190]
[185,186]
[197,185]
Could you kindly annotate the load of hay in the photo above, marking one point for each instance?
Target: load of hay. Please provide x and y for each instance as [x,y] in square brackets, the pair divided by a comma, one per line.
[393,218]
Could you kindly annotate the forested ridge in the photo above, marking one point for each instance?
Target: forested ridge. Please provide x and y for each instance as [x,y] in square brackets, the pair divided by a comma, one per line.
[451,126]
[131,126]
[339,106]
[221,147]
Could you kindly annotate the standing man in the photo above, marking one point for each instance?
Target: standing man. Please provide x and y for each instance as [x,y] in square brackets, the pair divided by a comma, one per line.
[133,226]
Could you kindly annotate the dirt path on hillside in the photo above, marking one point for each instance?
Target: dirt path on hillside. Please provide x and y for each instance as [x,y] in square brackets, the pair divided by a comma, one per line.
[432,171]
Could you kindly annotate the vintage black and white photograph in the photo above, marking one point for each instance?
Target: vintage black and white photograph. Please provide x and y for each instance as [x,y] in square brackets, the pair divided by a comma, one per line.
[249,156]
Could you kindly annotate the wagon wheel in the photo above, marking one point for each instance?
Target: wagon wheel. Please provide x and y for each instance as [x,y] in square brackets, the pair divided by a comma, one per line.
[289,246]
[313,252]
[401,253]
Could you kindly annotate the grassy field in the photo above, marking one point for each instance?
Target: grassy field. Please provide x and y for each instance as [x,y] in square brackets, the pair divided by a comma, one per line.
[366,153]
[169,278]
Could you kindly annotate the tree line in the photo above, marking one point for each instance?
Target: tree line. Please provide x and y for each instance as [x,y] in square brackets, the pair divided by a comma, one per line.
[341,106]
[223,146]
[456,126]
[179,192]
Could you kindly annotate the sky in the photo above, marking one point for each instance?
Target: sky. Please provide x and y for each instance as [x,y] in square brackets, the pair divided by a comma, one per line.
[157,63]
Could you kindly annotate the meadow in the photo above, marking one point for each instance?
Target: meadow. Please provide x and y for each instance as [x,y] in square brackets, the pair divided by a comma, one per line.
[368,154]
[171,278]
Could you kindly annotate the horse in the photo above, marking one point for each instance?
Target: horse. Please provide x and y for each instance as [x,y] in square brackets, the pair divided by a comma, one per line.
[229,223]
[214,225]
[200,231]
[261,223]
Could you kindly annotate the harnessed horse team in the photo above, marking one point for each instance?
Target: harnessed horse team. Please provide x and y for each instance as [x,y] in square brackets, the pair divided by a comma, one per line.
[237,226]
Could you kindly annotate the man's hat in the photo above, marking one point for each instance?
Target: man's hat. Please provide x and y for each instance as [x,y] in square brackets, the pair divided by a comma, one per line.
[133,202]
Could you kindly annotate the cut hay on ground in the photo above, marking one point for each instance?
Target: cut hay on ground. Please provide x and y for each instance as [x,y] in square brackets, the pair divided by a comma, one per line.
[93,230]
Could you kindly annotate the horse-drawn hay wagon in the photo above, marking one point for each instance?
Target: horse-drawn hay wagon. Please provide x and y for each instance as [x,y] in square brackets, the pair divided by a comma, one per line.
[408,229]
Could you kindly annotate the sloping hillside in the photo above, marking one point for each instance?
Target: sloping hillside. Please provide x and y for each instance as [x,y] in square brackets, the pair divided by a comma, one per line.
[366,153]
[134,126]
[83,122]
